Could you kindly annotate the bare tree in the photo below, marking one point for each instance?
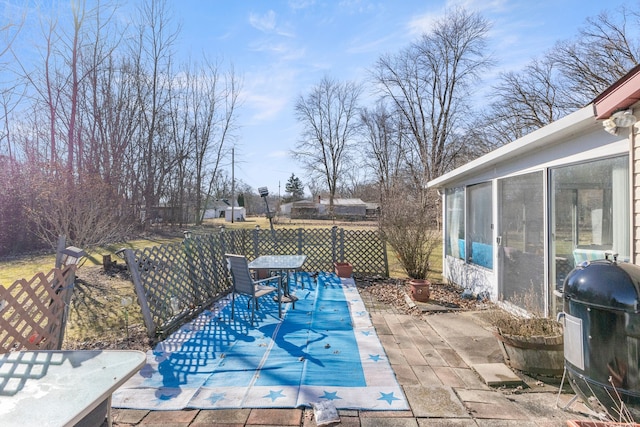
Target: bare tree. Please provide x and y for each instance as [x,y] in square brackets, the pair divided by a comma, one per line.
[523,102]
[10,29]
[152,57]
[383,152]
[329,117]
[429,84]
[568,77]
[219,133]
[603,51]
[9,92]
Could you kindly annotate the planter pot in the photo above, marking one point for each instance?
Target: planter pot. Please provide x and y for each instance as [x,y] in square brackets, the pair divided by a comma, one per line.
[420,289]
[343,269]
[535,355]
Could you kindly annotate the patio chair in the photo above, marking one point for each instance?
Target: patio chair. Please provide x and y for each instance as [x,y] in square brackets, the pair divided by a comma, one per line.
[244,284]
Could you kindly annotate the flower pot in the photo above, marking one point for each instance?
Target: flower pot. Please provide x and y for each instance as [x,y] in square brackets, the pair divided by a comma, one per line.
[420,289]
[535,355]
[343,269]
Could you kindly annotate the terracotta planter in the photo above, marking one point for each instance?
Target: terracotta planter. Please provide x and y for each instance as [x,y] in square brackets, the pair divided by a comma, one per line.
[420,289]
[343,269]
[535,355]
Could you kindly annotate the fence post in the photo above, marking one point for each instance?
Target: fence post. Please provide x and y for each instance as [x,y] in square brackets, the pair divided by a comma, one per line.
[223,241]
[61,245]
[300,241]
[384,254]
[142,298]
[256,241]
[334,243]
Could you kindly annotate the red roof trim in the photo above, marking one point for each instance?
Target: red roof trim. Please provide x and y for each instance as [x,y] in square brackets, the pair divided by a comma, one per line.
[622,94]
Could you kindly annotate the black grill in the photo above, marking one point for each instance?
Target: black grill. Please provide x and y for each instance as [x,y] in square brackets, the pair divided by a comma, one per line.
[602,334]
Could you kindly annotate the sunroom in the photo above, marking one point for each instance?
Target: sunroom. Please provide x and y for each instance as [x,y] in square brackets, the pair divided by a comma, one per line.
[518,219]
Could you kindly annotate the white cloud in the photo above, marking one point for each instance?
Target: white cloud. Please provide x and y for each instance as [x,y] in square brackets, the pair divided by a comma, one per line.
[265,23]
[269,93]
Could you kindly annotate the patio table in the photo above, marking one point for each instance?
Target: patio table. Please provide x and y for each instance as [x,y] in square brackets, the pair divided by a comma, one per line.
[62,388]
[284,264]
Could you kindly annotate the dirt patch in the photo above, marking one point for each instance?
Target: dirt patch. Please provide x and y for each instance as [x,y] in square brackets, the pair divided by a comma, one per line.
[395,292]
[104,313]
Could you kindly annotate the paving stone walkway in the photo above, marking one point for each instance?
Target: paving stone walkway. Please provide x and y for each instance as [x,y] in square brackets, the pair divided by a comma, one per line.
[434,362]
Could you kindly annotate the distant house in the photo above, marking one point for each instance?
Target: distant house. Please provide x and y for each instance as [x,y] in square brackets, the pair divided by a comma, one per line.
[218,209]
[346,208]
[304,209]
[351,209]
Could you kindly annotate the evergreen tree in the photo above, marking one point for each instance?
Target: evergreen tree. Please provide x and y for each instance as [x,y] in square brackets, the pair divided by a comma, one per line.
[294,187]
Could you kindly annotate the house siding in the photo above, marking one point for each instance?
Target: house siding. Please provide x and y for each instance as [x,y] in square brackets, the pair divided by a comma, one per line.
[635,164]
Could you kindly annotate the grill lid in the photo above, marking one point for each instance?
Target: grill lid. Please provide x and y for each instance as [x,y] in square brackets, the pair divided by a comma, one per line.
[605,283]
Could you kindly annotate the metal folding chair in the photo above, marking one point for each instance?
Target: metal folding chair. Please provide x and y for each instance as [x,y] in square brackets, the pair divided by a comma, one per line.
[244,284]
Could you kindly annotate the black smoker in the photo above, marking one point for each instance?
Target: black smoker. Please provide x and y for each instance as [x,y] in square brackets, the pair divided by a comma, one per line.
[602,334]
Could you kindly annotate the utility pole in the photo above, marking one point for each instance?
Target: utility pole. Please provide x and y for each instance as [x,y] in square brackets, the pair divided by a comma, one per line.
[233,185]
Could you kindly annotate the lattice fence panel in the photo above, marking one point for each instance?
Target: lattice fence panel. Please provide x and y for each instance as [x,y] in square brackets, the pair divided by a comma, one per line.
[177,281]
[207,272]
[289,242]
[33,313]
[164,291]
[264,243]
[318,246]
[365,251]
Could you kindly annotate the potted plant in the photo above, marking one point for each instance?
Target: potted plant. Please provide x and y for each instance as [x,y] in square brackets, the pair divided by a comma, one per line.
[534,344]
[343,269]
[407,225]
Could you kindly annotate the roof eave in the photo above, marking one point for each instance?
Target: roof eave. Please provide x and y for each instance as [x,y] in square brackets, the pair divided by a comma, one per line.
[621,95]
[558,130]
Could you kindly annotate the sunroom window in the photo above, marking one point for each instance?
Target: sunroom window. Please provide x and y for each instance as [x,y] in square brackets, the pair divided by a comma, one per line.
[590,213]
[479,232]
[454,223]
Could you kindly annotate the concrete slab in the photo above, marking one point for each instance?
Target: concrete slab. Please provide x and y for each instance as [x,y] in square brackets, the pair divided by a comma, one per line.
[470,338]
[471,379]
[275,417]
[435,402]
[497,374]
[447,422]
[449,377]
[542,407]
[221,417]
[388,422]
[488,404]
[426,375]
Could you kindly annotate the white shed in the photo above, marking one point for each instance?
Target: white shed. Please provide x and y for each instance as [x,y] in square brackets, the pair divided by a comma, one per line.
[238,213]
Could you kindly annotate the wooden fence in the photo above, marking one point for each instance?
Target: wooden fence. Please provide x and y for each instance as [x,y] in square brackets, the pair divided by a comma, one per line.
[33,313]
[175,282]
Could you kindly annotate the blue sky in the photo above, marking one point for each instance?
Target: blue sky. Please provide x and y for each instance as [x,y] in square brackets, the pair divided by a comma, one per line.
[283,48]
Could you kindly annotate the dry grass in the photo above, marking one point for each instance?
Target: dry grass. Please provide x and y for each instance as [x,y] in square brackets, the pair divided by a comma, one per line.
[510,324]
[97,318]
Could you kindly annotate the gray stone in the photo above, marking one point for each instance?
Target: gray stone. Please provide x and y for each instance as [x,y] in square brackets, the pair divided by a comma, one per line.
[497,374]
[435,402]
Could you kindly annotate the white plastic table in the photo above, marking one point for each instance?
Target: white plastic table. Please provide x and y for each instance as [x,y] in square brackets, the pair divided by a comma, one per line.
[62,388]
